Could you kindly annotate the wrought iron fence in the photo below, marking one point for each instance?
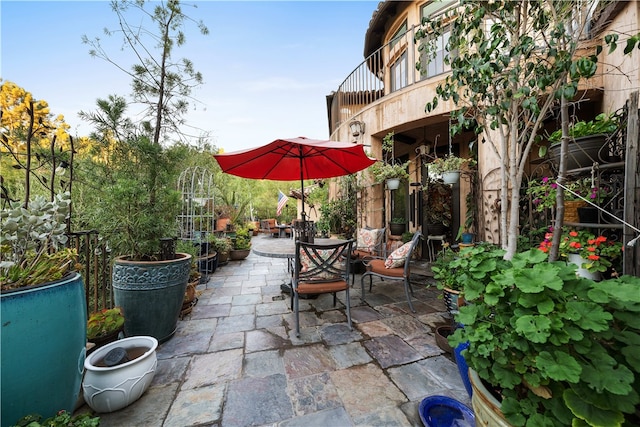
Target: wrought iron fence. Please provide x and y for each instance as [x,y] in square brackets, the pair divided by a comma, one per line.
[94,255]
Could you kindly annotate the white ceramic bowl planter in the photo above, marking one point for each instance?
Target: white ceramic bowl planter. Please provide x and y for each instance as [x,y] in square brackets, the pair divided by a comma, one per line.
[110,388]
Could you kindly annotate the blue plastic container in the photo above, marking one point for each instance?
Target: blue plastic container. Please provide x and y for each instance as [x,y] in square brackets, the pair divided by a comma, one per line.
[443,411]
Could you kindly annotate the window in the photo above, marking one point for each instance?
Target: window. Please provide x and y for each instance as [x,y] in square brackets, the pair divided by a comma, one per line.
[432,66]
[398,34]
[435,7]
[399,74]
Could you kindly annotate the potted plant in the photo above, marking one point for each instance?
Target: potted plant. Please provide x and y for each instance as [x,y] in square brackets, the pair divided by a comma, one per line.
[397,226]
[222,246]
[453,271]
[543,196]
[137,183]
[587,139]
[389,170]
[104,326]
[241,245]
[43,306]
[139,219]
[592,254]
[449,167]
[556,349]
[195,275]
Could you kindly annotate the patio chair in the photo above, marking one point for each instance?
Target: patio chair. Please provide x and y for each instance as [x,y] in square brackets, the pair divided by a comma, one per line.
[270,226]
[397,267]
[370,243]
[321,269]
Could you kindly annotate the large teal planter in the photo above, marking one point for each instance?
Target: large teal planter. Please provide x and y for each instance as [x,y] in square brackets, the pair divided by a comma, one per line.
[44,334]
[151,294]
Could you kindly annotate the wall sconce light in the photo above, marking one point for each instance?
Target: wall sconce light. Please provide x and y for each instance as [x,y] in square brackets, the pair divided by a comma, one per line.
[357,128]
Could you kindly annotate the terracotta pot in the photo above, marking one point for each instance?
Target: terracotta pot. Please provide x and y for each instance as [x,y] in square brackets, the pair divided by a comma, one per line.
[238,254]
[442,333]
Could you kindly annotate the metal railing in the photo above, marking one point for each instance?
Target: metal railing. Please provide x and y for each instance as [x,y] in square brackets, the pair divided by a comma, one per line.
[388,69]
[94,256]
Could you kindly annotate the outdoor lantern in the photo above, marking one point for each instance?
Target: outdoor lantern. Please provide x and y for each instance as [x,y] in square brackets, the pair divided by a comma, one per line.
[357,127]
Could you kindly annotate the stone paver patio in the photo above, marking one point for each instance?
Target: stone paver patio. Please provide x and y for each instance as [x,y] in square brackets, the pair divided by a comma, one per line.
[235,361]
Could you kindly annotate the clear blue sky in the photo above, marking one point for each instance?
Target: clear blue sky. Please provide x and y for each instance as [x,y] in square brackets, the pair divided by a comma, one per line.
[267,65]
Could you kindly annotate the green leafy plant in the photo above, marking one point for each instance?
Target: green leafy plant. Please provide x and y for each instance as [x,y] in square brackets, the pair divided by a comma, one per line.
[32,242]
[407,236]
[104,322]
[61,419]
[222,245]
[561,349]
[383,171]
[468,268]
[340,215]
[398,220]
[389,168]
[450,163]
[602,124]
[242,240]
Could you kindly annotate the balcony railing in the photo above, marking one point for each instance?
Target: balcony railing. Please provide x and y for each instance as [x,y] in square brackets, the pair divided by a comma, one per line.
[372,79]
[389,69]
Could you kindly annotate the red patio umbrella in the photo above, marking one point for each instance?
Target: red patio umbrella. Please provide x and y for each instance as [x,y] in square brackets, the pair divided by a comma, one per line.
[295,159]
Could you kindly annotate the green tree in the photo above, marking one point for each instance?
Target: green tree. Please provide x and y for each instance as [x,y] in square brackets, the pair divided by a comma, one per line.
[34,146]
[161,84]
[507,57]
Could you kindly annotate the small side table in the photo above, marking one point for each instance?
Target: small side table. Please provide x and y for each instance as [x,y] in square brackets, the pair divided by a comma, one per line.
[433,238]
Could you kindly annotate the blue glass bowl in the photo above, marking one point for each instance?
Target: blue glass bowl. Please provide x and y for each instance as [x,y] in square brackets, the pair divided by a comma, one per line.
[443,411]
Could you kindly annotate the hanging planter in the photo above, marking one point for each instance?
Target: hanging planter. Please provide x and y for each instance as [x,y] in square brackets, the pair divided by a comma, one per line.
[449,167]
[451,177]
[393,183]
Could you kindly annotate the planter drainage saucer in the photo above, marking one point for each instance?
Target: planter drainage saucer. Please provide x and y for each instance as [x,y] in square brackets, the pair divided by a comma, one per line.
[443,411]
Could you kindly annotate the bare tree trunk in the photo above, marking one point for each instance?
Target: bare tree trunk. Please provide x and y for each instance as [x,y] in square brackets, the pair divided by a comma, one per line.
[557,227]
[27,169]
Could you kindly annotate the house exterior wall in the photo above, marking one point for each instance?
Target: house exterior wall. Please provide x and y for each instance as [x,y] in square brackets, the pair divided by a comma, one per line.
[403,111]
[616,66]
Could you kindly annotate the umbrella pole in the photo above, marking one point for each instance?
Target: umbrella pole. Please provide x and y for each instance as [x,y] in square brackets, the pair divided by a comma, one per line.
[302,214]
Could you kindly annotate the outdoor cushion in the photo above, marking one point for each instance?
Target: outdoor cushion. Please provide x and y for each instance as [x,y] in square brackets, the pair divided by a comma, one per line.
[369,240]
[306,264]
[398,257]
